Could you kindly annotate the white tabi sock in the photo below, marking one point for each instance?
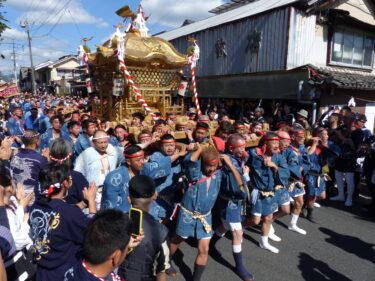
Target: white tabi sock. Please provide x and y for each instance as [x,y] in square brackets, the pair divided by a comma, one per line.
[294,219]
[237,248]
[264,240]
[272,230]
[272,235]
[265,245]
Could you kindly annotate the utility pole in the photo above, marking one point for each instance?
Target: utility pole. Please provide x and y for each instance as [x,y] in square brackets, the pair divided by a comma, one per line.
[14,64]
[26,25]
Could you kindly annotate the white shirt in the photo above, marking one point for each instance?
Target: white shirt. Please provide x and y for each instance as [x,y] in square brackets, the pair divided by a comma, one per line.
[18,227]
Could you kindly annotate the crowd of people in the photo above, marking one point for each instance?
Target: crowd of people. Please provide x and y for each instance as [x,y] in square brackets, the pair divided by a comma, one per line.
[69,179]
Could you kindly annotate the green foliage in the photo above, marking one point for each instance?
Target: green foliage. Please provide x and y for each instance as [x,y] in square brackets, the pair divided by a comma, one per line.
[3,21]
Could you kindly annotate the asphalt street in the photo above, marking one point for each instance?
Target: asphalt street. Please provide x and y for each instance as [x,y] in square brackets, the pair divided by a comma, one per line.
[340,247]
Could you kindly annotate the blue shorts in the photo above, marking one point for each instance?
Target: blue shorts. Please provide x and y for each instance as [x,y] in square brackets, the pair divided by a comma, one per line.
[189,227]
[230,211]
[315,187]
[282,197]
[264,206]
[297,191]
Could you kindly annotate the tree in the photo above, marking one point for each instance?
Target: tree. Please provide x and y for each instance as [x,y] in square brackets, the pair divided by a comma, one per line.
[3,21]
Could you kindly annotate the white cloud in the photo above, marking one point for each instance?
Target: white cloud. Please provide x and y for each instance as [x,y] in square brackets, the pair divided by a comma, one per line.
[13,33]
[173,12]
[50,12]
[49,49]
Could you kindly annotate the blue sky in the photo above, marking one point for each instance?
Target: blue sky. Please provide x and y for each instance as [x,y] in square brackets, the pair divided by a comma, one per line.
[57,26]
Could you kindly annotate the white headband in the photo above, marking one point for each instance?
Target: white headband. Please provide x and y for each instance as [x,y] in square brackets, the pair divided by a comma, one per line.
[100,138]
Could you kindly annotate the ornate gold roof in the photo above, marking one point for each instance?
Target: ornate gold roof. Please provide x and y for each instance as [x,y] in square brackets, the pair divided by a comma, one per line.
[153,52]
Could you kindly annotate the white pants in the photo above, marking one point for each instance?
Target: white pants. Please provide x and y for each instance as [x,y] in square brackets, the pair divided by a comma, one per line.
[349,179]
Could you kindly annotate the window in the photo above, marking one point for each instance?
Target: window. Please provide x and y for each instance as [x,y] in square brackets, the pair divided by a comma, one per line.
[64,72]
[352,48]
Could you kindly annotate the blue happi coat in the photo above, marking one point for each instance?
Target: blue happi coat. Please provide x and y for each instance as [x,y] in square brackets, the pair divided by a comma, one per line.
[32,124]
[44,124]
[81,144]
[314,177]
[231,196]
[265,178]
[116,185]
[15,128]
[46,139]
[163,206]
[298,162]
[198,197]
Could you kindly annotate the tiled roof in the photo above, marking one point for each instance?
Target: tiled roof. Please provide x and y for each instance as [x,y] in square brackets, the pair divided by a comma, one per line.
[343,77]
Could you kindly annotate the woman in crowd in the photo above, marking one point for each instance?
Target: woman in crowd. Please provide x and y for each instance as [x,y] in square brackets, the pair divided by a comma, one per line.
[61,153]
[57,228]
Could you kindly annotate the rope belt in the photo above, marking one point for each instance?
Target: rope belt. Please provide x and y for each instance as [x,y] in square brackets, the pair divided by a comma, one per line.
[296,184]
[320,177]
[319,180]
[198,216]
[278,187]
[267,193]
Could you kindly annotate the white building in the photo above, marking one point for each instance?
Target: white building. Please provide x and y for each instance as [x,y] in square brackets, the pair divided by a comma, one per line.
[56,73]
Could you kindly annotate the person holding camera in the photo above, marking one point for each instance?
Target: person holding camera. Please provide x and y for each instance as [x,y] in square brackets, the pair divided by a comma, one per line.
[150,259]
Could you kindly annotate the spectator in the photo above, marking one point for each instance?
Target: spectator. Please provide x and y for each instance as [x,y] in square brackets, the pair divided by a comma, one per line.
[57,228]
[32,121]
[360,134]
[53,133]
[61,153]
[151,258]
[107,242]
[44,123]
[74,129]
[14,234]
[97,161]
[27,163]
[259,112]
[15,126]
[84,140]
[302,118]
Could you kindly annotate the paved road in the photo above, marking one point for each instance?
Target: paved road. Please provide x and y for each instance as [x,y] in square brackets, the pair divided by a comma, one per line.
[341,247]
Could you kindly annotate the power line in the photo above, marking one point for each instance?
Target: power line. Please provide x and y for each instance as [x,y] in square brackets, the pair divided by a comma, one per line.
[25,18]
[10,43]
[75,23]
[59,50]
[37,4]
[27,10]
[66,43]
[48,18]
[51,15]
[53,27]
